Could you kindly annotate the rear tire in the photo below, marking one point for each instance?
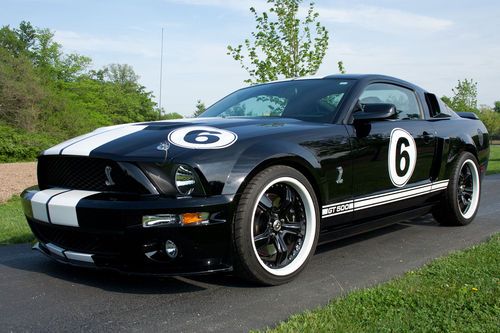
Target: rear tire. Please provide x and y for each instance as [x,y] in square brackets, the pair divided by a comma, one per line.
[276,226]
[461,199]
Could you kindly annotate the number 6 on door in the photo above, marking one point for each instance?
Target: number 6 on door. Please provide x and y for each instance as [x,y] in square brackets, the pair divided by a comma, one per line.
[402,157]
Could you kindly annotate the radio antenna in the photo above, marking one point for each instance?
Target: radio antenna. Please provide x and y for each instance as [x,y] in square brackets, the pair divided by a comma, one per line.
[161,73]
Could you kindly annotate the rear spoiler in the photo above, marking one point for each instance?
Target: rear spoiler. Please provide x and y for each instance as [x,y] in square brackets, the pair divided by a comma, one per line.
[468,115]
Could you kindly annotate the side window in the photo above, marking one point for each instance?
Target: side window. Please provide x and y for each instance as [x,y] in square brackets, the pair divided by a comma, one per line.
[445,110]
[259,106]
[404,99]
[437,107]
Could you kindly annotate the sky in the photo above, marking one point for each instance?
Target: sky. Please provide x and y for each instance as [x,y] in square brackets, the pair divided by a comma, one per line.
[430,43]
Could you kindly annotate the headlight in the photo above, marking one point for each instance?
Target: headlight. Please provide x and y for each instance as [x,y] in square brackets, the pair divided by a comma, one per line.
[185,180]
[174,179]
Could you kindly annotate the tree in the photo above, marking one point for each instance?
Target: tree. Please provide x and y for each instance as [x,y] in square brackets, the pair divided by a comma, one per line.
[47,96]
[121,73]
[497,106]
[282,46]
[171,115]
[21,91]
[491,120]
[200,108]
[341,67]
[464,97]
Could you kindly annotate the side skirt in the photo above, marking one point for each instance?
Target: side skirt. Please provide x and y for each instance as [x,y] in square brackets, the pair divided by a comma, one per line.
[333,234]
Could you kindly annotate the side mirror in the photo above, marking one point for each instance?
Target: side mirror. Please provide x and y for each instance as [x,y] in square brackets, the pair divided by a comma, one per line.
[375,111]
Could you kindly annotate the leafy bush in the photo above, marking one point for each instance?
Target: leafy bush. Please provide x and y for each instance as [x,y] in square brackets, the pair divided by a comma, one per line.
[19,145]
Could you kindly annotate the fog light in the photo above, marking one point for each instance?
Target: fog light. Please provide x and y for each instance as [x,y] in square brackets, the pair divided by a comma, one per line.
[159,220]
[171,249]
[194,218]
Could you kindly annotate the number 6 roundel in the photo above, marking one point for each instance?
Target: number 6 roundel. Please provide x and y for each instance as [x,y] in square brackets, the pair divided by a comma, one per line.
[402,157]
[202,137]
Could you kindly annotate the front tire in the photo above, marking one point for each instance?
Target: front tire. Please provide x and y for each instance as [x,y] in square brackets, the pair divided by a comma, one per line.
[460,202]
[276,226]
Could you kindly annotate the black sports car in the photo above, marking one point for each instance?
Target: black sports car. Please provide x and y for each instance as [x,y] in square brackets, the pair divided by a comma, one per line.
[260,179]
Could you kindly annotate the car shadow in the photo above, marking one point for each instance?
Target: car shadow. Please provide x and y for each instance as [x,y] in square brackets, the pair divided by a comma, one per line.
[103,279]
[144,284]
[425,220]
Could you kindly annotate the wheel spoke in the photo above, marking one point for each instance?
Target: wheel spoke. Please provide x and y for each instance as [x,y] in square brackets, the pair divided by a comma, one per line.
[287,201]
[468,173]
[263,236]
[265,204]
[292,228]
[281,247]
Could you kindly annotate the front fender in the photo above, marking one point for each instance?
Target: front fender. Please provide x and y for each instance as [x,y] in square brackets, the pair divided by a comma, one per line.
[258,156]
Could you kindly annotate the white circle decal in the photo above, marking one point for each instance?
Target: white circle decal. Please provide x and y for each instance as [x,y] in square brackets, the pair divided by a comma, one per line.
[402,157]
[202,137]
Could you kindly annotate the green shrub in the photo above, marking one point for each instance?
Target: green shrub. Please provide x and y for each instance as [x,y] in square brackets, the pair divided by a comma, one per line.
[18,145]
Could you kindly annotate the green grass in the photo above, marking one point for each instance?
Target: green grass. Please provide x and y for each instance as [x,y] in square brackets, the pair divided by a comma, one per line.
[13,225]
[494,163]
[458,293]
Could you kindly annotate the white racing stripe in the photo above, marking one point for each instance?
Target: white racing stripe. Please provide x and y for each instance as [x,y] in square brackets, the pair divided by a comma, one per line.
[62,208]
[85,146]
[58,206]
[441,185]
[390,197]
[56,150]
[39,203]
[381,199]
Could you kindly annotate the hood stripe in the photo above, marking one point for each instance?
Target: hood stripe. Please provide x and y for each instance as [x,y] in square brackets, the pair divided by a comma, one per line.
[85,146]
[56,150]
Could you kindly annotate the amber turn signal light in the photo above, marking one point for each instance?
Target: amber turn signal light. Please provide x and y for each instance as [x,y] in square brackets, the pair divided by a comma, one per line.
[194,218]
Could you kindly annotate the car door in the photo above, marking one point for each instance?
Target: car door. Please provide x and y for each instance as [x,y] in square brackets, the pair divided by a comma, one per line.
[391,158]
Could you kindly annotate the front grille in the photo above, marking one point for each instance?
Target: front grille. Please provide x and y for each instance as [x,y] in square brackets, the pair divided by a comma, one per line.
[78,240]
[85,173]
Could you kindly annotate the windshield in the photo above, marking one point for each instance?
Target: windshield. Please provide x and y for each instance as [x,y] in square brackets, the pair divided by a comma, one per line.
[309,100]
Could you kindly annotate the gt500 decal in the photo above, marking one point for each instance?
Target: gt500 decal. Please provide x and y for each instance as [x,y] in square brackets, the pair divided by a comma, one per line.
[381,199]
[338,208]
[202,137]
[402,157]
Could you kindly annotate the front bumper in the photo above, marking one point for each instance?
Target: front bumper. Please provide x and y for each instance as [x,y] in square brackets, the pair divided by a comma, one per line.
[105,230]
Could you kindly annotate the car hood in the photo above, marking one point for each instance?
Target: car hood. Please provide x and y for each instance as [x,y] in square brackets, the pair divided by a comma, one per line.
[163,141]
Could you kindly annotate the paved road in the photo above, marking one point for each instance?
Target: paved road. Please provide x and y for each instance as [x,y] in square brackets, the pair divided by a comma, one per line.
[39,295]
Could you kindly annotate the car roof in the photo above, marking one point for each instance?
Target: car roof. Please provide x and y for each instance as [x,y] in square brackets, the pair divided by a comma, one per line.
[374,77]
[357,77]
[367,78]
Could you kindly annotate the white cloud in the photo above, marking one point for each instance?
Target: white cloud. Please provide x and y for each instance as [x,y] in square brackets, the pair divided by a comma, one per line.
[384,19]
[371,17]
[242,5]
[84,43]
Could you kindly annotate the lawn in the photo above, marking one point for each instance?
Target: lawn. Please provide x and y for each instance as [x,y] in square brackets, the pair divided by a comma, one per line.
[494,163]
[458,293]
[13,226]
